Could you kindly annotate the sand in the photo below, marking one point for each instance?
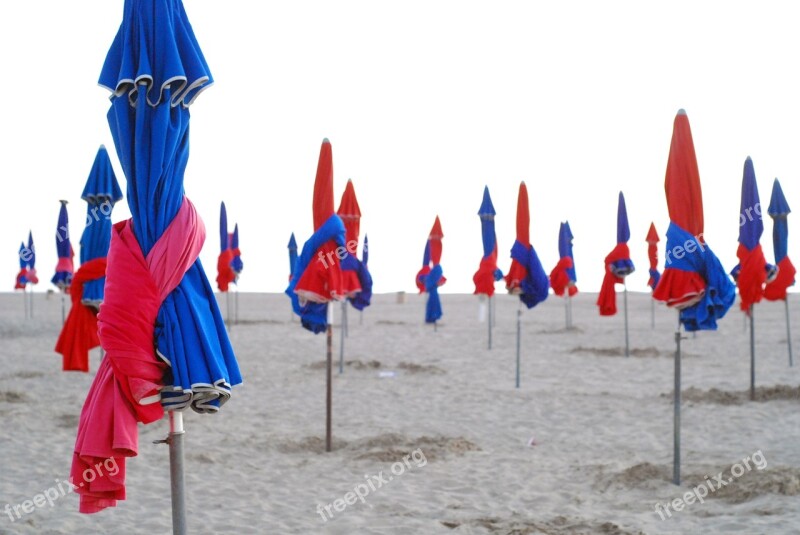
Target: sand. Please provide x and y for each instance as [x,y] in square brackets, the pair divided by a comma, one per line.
[584,446]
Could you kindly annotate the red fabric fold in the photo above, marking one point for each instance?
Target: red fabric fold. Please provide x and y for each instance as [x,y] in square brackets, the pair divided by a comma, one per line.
[559,278]
[607,298]
[126,389]
[79,333]
[752,275]
[776,290]
[516,274]
[679,289]
[225,273]
[420,280]
[484,277]
[322,279]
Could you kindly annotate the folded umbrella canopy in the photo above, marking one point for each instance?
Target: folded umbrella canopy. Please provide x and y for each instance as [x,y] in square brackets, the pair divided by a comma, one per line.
[487,273]
[618,263]
[225,271]
[355,277]
[693,281]
[292,246]
[317,279]
[79,332]
[652,240]
[426,267]
[434,278]
[562,278]
[64,267]
[165,341]
[776,289]
[779,211]
[236,262]
[101,193]
[22,276]
[31,254]
[752,272]
[526,277]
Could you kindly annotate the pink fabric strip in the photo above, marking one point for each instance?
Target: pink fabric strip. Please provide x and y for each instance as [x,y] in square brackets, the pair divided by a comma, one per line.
[65,264]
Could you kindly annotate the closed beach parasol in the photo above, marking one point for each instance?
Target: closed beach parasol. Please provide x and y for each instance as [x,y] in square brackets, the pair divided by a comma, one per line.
[752,272]
[618,265]
[487,273]
[64,268]
[165,341]
[526,277]
[435,277]
[652,240]
[317,279]
[562,277]
[79,333]
[694,282]
[776,289]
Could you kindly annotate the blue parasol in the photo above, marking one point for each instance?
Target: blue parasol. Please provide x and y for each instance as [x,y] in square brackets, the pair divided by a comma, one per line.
[776,289]
[100,193]
[155,70]
[64,267]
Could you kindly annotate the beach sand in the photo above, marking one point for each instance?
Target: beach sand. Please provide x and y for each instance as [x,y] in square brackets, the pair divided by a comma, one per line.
[584,446]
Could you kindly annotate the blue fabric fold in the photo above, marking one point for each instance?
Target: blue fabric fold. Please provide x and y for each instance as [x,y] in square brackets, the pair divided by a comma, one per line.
[622,268]
[314,316]
[433,307]
[656,276]
[720,292]
[535,284]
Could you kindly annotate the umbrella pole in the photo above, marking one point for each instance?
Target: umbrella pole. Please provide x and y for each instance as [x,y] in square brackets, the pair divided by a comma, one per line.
[345,322]
[228,308]
[25,301]
[489,321]
[519,337]
[177,487]
[627,343]
[566,309]
[329,377]
[676,459]
[31,298]
[341,338]
[236,307]
[788,330]
[63,309]
[752,356]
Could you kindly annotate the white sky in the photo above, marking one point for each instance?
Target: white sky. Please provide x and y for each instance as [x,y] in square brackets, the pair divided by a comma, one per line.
[424,104]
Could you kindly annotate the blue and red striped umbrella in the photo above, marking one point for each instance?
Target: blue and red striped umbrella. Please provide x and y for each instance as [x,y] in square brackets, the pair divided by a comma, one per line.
[526,277]
[487,273]
[779,211]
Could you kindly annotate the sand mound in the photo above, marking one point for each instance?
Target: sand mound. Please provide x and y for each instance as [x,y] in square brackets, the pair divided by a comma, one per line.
[350,364]
[642,476]
[782,481]
[390,322]
[559,525]
[9,396]
[620,351]
[68,421]
[739,397]
[412,367]
[25,374]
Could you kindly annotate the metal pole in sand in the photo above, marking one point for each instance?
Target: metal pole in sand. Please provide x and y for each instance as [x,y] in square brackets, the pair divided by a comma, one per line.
[569,302]
[25,301]
[329,377]
[236,307]
[63,309]
[228,309]
[519,337]
[676,459]
[31,308]
[788,330]
[177,484]
[341,338]
[566,308]
[752,355]
[627,343]
[489,322]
